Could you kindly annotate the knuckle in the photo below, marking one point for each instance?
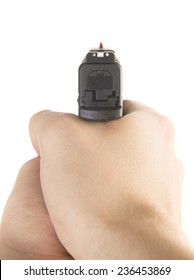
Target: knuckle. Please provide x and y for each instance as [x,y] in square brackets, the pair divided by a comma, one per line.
[167,125]
[63,126]
[30,165]
[38,116]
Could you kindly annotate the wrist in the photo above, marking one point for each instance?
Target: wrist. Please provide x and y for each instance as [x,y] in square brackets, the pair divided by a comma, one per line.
[166,240]
[8,253]
[145,239]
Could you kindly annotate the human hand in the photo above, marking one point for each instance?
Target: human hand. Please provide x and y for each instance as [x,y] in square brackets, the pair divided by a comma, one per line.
[26,230]
[112,189]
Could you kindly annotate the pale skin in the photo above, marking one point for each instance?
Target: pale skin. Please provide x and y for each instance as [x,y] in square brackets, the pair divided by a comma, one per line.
[97,191]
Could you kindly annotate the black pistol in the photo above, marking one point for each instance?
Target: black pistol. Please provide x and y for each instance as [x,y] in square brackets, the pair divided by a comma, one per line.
[100,86]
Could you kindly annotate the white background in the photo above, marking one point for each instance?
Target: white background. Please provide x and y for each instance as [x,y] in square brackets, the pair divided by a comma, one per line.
[42,44]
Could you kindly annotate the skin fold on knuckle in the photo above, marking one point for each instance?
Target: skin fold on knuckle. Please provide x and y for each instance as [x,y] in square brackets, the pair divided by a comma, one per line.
[47,127]
[167,126]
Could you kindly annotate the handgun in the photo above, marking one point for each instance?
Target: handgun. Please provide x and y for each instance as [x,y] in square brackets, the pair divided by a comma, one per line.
[100,86]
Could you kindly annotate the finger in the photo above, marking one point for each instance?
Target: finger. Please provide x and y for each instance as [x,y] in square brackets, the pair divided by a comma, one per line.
[26,217]
[43,122]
